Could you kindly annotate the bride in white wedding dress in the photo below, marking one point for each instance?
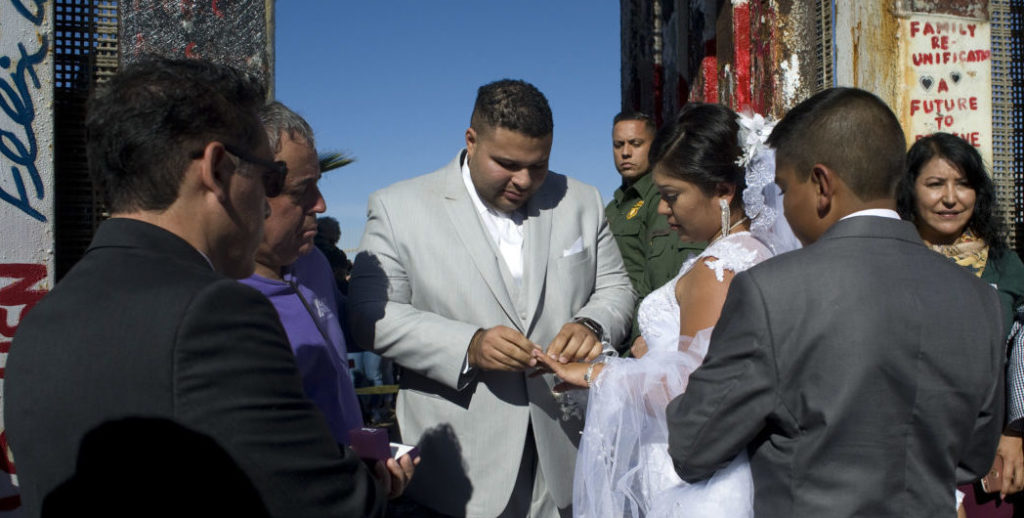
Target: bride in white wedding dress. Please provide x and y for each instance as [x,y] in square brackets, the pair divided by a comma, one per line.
[702,162]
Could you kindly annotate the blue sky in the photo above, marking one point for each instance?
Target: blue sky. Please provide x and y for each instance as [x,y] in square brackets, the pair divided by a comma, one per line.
[392,83]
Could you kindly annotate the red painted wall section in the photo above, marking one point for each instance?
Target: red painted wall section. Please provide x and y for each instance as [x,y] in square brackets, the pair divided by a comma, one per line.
[763,30]
[20,293]
[741,55]
[709,69]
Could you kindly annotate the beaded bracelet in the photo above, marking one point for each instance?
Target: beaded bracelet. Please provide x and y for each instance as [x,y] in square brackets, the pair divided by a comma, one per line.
[588,376]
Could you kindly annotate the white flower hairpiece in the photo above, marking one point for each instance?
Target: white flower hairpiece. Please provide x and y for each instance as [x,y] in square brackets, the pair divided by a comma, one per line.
[754,131]
[759,162]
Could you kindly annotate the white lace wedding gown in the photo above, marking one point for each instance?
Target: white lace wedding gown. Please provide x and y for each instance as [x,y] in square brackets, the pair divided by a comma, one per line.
[623,467]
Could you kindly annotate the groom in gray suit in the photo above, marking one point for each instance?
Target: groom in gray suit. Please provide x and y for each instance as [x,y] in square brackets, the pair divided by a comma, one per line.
[461,274]
[863,372]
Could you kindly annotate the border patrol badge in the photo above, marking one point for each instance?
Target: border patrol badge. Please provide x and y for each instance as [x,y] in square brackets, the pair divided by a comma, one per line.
[636,208]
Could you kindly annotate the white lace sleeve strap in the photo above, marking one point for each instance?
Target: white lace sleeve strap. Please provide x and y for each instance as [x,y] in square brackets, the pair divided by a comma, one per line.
[735,253]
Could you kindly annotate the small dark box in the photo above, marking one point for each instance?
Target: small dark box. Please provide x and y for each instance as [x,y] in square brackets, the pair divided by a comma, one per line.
[370,443]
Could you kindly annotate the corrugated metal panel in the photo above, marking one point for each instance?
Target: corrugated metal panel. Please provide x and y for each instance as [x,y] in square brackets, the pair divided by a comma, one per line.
[1008,113]
[823,48]
[77,64]
[637,62]
[1005,46]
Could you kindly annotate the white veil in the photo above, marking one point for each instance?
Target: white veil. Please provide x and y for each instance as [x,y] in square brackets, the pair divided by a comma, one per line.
[762,198]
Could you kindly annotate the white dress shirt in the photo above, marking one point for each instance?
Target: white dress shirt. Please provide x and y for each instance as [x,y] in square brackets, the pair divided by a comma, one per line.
[881,213]
[505,228]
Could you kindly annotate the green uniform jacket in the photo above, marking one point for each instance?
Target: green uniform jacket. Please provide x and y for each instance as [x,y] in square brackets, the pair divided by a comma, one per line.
[651,251]
[1006,275]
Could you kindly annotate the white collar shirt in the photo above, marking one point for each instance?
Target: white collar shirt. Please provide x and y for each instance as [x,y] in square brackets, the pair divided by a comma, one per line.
[881,213]
[505,229]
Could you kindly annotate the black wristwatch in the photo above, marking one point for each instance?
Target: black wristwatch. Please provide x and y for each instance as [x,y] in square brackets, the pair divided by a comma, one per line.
[593,326]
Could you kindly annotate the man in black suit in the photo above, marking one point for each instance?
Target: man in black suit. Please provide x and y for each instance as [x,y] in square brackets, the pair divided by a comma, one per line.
[862,373]
[148,370]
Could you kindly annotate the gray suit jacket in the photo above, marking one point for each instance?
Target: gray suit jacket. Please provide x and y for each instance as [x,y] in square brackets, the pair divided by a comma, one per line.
[863,373]
[428,276]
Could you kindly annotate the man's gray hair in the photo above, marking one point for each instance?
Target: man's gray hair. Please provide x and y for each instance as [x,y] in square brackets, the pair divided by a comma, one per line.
[278,119]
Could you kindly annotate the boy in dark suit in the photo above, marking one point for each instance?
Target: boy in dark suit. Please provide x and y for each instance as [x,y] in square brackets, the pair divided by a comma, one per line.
[862,372]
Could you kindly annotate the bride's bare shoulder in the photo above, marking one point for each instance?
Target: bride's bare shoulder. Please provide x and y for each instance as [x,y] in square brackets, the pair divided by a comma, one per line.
[701,294]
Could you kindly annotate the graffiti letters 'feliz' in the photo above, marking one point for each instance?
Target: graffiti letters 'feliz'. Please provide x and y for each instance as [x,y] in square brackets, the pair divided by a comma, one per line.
[17,138]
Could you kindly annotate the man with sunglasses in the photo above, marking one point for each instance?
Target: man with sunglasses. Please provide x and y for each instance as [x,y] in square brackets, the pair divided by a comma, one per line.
[273,174]
[298,281]
[149,379]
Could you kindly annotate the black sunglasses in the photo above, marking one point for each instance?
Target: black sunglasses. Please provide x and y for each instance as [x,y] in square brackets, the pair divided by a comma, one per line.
[274,172]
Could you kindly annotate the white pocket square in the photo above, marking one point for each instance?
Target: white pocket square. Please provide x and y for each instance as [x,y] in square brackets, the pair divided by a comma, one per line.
[577,247]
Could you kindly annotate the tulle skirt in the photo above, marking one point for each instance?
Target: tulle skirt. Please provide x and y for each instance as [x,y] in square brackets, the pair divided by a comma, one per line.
[623,467]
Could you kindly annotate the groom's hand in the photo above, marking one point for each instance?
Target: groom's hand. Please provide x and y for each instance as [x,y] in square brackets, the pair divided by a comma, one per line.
[501,348]
[574,343]
[571,374]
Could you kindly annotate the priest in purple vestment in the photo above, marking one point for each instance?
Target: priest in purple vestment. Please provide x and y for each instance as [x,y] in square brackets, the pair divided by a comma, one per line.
[297,278]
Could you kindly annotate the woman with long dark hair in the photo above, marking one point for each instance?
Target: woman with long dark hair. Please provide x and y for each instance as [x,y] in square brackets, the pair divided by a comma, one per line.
[948,195]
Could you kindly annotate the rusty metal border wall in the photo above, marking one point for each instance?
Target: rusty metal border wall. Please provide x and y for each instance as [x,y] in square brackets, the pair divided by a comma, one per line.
[85,51]
[1008,114]
[107,56]
[823,46]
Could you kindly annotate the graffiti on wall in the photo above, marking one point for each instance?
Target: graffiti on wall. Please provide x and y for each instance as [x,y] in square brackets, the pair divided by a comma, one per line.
[24,185]
[948,78]
[233,33]
[17,297]
[21,287]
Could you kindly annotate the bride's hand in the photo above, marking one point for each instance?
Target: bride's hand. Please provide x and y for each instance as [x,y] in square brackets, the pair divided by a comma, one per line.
[570,373]
[639,347]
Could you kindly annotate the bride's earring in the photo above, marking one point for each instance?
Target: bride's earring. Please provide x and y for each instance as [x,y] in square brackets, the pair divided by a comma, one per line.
[725,216]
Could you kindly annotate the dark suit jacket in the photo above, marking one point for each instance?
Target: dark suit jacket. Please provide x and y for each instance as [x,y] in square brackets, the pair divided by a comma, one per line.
[860,372]
[142,327]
